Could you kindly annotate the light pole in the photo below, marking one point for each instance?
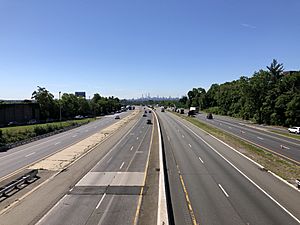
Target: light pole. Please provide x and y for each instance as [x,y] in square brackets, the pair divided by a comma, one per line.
[59,106]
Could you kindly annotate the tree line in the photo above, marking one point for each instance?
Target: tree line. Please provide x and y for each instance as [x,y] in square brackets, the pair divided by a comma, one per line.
[270,96]
[70,105]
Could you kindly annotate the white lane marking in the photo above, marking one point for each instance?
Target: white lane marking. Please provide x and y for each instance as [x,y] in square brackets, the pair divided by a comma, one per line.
[140,132]
[30,154]
[131,148]
[200,159]
[74,135]
[168,138]
[109,160]
[86,130]
[95,126]
[230,127]
[137,138]
[57,143]
[237,169]
[122,165]
[178,130]
[101,200]
[182,136]
[190,145]
[223,190]
[260,138]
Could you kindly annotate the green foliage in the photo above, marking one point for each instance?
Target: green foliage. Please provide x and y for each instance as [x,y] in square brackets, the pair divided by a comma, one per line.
[268,97]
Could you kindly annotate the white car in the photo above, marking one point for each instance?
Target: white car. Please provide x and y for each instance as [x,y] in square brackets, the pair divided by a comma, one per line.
[295,130]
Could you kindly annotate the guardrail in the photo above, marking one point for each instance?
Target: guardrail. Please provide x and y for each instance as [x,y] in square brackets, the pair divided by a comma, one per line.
[18,183]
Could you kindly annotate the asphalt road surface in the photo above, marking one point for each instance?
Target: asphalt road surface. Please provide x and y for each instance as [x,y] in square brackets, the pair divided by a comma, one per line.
[110,192]
[24,155]
[288,148]
[212,184]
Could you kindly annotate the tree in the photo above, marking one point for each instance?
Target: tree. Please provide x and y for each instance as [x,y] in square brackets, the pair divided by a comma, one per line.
[45,99]
[276,70]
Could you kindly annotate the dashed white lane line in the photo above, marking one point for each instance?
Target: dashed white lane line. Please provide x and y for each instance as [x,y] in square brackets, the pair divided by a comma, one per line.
[168,138]
[30,154]
[86,130]
[122,165]
[225,193]
[131,148]
[101,200]
[137,138]
[190,145]
[200,159]
[74,135]
[182,136]
[57,143]
[230,127]
[260,138]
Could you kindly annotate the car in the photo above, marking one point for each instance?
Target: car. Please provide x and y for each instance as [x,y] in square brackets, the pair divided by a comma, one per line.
[149,121]
[149,111]
[295,130]
[144,115]
[145,111]
[117,117]
[78,117]
[209,116]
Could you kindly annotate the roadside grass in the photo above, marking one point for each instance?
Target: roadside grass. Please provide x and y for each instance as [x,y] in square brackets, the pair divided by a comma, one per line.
[295,136]
[21,133]
[280,166]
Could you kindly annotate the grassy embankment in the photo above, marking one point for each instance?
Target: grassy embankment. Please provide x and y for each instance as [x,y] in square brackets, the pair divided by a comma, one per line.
[21,133]
[282,167]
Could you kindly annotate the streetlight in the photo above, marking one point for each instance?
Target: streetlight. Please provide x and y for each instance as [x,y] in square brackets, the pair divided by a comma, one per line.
[59,106]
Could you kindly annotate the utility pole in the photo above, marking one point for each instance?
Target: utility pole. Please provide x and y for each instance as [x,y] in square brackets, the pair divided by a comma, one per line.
[59,106]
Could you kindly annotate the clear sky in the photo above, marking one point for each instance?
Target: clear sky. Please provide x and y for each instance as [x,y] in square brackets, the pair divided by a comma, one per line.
[127,48]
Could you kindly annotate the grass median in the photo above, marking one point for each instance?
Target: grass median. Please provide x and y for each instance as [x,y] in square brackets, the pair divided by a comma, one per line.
[21,133]
[282,167]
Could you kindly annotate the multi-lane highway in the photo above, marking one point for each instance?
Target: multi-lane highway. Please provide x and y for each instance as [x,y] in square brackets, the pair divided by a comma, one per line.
[24,155]
[212,184]
[110,192]
[288,148]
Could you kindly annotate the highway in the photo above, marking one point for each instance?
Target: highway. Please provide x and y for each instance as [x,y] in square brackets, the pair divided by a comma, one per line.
[19,157]
[288,148]
[110,192]
[212,184]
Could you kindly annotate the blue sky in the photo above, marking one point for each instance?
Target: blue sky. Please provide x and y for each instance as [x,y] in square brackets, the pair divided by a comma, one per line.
[126,48]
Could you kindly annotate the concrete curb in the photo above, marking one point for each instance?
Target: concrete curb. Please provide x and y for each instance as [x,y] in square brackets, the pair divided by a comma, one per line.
[162,212]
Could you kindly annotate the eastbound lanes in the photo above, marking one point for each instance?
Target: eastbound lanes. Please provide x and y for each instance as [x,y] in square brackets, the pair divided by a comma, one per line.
[207,187]
[287,147]
[24,155]
[110,192]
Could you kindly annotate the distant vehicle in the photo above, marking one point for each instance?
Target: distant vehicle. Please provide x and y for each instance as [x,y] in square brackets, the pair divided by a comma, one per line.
[78,117]
[117,117]
[209,116]
[149,121]
[181,111]
[162,109]
[13,123]
[145,111]
[192,111]
[144,115]
[33,121]
[149,111]
[295,130]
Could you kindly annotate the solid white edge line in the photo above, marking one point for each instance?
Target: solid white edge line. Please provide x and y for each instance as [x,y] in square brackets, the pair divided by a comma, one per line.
[225,193]
[48,213]
[251,181]
[190,145]
[162,212]
[99,203]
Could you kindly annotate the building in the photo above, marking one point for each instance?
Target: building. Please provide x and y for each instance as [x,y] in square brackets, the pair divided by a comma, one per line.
[19,112]
[80,94]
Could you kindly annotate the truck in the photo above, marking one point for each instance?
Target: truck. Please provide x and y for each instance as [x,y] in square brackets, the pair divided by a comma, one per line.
[192,111]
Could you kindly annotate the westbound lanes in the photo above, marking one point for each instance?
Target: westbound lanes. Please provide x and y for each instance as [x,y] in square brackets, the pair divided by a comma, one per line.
[110,192]
[288,148]
[211,184]
[24,155]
